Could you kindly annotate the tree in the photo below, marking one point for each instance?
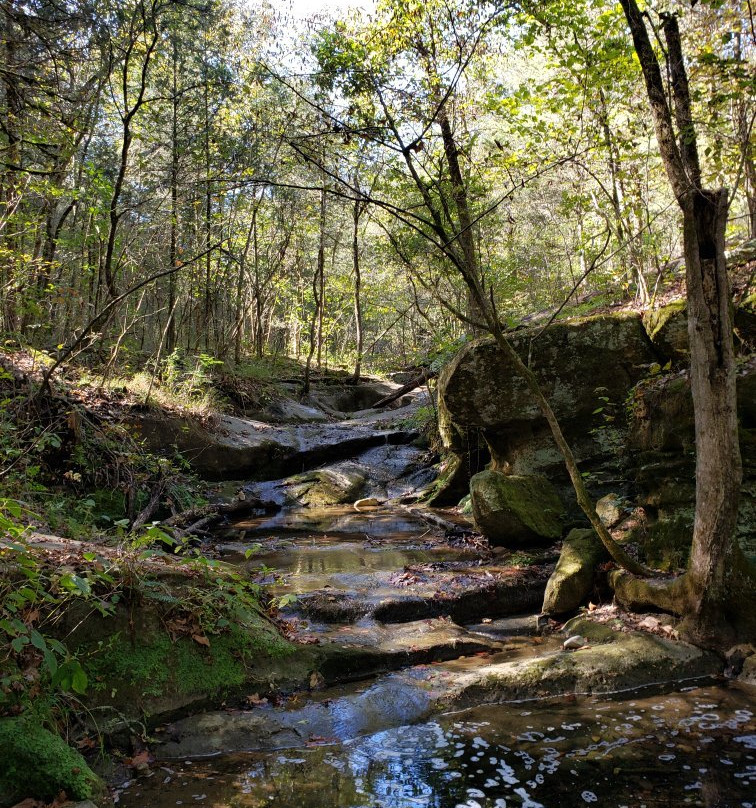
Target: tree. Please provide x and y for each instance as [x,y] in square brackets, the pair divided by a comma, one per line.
[417,57]
[711,591]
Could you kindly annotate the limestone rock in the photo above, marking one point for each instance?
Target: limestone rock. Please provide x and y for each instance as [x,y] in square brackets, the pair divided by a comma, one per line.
[572,580]
[610,509]
[574,642]
[511,510]
[330,486]
[366,502]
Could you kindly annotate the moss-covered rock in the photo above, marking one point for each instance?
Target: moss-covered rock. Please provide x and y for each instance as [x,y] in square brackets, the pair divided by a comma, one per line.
[480,386]
[667,327]
[36,763]
[137,670]
[572,580]
[511,510]
[610,509]
[585,366]
[331,486]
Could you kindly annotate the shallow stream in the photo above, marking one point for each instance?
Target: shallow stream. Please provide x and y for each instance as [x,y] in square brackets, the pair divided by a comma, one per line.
[696,747]
[373,745]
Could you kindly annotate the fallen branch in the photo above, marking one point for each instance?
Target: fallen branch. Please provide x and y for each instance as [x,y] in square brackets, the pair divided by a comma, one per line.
[190,518]
[418,381]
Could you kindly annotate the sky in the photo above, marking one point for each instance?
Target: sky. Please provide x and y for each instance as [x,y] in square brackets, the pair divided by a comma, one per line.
[305,8]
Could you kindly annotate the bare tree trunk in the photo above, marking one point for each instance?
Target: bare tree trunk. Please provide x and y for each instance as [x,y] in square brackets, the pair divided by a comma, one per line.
[712,375]
[316,325]
[716,577]
[359,335]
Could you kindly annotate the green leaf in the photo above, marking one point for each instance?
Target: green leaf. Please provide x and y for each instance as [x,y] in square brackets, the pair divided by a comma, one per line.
[37,640]
[80,681]
[76,584]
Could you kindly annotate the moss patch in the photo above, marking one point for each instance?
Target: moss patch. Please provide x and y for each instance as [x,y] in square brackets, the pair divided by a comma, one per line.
[667,543]
[510,509]
[152,671]
[36,763]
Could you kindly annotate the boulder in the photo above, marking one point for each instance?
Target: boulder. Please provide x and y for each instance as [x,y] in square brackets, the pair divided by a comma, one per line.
[572,358]
[667,327]
[330,486]
[586,367]
[513,510]
[572,580]
[610,509]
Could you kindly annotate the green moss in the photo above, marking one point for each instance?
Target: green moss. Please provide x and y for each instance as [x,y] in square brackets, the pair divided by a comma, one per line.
[513,508]
[655,319]
[36,763]
[667,543]
[154,666]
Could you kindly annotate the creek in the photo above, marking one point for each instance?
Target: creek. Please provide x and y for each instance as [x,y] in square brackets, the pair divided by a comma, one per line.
[692,748]
[416,609]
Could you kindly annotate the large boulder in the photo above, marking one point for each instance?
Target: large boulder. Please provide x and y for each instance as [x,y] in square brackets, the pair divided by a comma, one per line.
[586,367]
[573,578]
[513,510]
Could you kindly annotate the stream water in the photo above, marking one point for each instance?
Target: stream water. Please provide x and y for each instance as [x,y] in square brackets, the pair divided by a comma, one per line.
[696,747]
[379,749]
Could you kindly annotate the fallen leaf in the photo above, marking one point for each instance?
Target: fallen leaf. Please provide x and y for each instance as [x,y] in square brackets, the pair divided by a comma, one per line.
[139,759]
[200,639]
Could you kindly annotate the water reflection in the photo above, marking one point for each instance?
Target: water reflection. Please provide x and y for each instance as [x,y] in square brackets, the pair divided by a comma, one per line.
[696,748]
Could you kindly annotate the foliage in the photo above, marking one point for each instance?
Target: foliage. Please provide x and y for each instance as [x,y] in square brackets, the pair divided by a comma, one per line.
[36,663]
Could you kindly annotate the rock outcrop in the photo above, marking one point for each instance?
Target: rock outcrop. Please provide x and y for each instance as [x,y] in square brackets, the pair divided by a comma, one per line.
[510,510]
[623,405]
[586,367]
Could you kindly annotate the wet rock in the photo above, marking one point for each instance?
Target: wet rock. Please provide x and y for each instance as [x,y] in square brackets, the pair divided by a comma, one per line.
[388,703]
[573,579]
[627,661]
[623,662]
[381,473]
[463,595]
[510,510]
[329,486]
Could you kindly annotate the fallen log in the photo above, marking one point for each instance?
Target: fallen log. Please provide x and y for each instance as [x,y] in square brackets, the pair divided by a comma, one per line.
[407,388]
[238,507]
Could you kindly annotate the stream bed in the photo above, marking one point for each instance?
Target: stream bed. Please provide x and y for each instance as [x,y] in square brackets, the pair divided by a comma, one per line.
[696,747]
[381,743]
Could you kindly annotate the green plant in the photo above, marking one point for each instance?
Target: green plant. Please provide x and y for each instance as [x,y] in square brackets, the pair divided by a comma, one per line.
[32,593]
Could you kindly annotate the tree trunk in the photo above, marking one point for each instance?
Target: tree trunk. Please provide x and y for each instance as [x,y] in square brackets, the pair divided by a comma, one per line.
[359,335]
[718,463]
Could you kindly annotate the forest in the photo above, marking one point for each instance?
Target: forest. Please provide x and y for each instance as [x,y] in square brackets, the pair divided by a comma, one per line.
[463,289]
